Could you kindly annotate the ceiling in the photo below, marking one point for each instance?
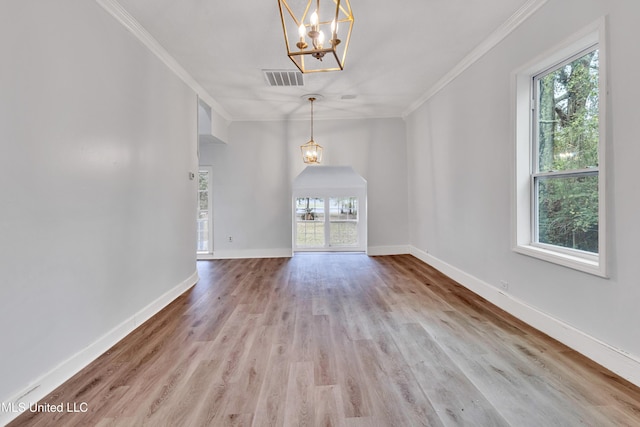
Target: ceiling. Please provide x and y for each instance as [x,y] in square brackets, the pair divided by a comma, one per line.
[398,51]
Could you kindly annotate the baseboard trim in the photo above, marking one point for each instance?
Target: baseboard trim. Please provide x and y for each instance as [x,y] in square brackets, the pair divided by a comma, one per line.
[624,364]
[252,253]
[388,250]
[48,382]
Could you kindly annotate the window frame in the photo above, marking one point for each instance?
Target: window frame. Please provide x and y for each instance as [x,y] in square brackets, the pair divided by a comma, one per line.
[525,213]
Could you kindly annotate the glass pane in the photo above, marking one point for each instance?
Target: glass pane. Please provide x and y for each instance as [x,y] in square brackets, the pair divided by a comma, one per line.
[343,218]
[567,116]
[203,180]
[568,211]
[203,235]
[309,222]
[203,200]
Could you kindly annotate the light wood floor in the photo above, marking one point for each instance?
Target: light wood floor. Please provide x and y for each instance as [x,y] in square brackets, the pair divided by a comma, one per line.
[338,340]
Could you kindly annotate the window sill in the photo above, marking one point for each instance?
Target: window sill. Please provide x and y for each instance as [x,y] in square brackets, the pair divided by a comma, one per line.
[587,265]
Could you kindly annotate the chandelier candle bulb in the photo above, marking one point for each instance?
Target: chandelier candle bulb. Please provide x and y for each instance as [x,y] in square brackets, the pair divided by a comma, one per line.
[320,39]
[302,32]
[334,33]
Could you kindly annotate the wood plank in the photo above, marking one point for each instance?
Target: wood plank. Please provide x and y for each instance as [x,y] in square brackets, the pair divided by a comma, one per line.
[300,403]
[270,408]
[351,378]
[251,373]
[324,363]
[328,407]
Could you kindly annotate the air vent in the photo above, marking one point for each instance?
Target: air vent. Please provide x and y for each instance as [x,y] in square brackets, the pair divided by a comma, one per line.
[283,77]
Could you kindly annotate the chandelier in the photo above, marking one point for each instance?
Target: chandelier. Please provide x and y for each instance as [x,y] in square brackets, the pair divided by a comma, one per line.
[311,152]
[317,35]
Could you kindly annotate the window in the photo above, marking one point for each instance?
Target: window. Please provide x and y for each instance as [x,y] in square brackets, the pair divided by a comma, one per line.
[560,156]
[205,226]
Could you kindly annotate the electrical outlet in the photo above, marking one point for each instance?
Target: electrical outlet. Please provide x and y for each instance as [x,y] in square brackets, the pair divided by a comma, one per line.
[504,285]
[230,239]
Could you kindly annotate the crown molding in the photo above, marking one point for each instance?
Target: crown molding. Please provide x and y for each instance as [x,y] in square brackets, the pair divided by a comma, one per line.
[482,49]
[130,23]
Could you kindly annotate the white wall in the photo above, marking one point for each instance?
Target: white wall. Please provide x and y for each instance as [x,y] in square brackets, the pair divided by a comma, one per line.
[253,175]
[461,197]
[97,138]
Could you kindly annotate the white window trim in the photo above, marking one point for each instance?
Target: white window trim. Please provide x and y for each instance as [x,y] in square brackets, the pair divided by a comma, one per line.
[523,209]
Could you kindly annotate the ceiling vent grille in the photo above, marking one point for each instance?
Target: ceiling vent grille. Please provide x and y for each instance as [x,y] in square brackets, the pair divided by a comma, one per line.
[281,78]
